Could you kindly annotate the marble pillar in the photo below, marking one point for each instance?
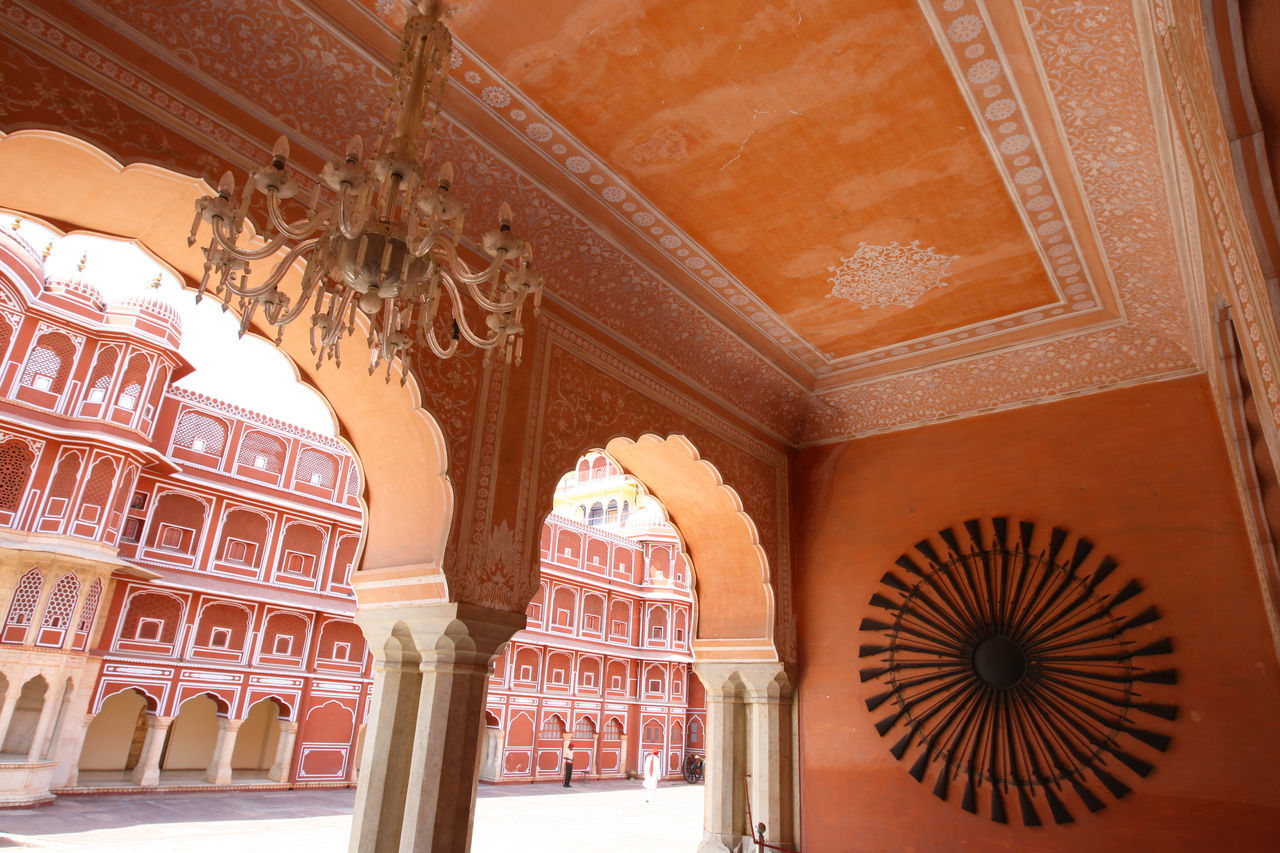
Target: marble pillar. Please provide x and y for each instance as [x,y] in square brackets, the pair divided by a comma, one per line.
[219,772]
[6,710]
[724,806]
[147,771]
[282,764]
[48,714]
[431,722]
[770,759]
[384,766]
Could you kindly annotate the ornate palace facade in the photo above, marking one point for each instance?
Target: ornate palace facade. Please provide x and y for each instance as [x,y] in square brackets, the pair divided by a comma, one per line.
[176,569]
[606,659]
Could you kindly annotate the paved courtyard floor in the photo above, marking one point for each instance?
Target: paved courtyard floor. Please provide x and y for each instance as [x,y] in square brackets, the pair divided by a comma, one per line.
[588,818]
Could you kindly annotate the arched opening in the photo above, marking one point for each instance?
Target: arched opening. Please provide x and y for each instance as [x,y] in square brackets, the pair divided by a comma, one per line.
[114,740]
[20,736]
[706,603]
[409,506]
[192,737]
[257,740]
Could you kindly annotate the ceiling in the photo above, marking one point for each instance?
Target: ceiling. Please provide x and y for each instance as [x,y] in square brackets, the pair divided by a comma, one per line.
[837,217]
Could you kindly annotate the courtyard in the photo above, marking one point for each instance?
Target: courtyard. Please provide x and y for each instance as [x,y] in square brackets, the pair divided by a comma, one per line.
[509,817]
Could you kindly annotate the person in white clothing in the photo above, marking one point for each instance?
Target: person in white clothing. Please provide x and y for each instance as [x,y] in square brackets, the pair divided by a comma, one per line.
[652,770]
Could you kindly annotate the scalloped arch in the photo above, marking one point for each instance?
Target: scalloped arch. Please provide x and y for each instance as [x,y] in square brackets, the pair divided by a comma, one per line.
[734,601]
[409,507]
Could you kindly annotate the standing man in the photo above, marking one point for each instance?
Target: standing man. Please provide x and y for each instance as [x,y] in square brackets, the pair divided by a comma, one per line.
[652,770]
[567,755]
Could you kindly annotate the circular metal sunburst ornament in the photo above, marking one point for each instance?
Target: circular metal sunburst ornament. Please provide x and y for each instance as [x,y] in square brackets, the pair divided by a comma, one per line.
[1014,671]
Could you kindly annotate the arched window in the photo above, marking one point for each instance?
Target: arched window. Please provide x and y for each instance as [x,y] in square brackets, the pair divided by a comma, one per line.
[97,492]
[626,511]
[613,729]
[16,460]
[584,470]
[49,363]
[611,513]
[596,516]
[57,613]
[261,451]
[87,614]
[552,728]
[316,468]
[585,729]
[353,482]
[131,386]
[599,468]
[22,606]
[104,369]
[200,433]
[63,485]
[6,335]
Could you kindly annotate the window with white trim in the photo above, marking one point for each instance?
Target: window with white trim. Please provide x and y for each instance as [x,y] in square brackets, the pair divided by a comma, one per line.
[341,651]
[148,629]
[220,638]
[283,645]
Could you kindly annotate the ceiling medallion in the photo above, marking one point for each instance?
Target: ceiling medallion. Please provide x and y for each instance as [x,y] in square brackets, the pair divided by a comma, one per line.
[884,276]
[1013,672]
[387,242]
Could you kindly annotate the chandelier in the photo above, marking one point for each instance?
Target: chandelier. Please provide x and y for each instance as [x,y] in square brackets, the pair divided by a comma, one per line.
[386,244]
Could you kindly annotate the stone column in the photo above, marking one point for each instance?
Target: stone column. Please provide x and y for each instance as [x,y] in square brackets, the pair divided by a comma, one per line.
[724,809]
[48,713]
[219,772]
[455,643]
[770,707]
[72,775]
[147,771]
[280,768]
[458,642]
[388,736]
[6,710]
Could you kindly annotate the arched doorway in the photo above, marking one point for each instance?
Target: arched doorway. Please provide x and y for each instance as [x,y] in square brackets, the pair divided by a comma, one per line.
[193,736]
[748,690]
[409,506]
[258,740]
[25,719]
[113,742]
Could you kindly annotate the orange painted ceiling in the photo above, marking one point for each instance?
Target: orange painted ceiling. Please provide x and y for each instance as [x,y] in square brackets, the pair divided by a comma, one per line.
[838,216]
[779,139]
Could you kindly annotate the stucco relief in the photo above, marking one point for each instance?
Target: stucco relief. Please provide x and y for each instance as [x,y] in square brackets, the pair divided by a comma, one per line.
[495,575]
[1193,85]
[40,93]
[885,276]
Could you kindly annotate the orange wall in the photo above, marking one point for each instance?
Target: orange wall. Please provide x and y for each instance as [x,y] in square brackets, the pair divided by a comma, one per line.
[1141,472]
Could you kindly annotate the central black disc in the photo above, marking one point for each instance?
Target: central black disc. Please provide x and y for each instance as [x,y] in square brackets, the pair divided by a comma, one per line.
[999,662]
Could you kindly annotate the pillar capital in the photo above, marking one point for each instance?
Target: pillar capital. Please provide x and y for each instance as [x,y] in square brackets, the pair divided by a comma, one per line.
[720,678]
[453,632]
[767,681]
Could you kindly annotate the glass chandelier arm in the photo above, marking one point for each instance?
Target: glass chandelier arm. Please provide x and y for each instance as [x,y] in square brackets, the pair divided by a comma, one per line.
[228,242]
[487,304]
[350,230]
[295,311]
[460,318]
[277,273]
[459,268]
[294,230]
[436,348]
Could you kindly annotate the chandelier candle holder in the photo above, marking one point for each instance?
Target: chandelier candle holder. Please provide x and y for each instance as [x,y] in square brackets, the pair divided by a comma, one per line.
[388,245]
